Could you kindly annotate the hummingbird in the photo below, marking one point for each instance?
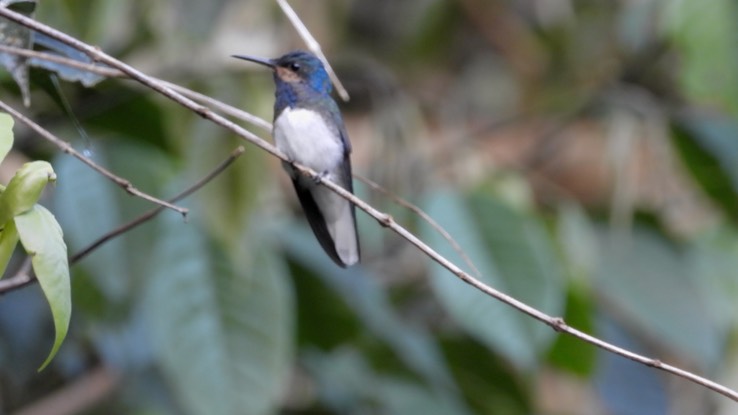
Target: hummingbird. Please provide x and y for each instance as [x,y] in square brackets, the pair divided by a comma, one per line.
[308,129]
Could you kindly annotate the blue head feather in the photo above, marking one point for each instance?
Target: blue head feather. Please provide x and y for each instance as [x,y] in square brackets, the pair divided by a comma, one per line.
[301,81]
[307,67]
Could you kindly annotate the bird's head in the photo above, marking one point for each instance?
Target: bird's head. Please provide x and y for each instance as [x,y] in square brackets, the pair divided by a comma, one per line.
[296,67]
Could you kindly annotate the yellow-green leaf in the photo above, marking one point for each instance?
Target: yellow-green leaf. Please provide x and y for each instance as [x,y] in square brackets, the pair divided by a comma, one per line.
[42,238]
[6,134]
[8,241]
[24,189]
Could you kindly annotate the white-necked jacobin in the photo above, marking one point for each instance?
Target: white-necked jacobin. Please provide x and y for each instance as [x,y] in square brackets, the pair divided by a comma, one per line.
[308,129]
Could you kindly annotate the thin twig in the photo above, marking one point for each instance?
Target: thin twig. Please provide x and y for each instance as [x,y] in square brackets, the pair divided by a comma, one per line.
[556,323]
[418,211]
[314,46]
[155,211]
[67,148]
[83,393]
[62,60]
[115,73]
[244,116]
[25,275]
[98,55]
[222,107]
[21,277]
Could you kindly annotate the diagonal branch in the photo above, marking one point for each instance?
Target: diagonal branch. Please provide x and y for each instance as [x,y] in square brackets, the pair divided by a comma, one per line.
[155,211]
[62,60]
[25,276]
[556,323]
[22,277]
[426,217]
[236,113]
[114,73]
[313,45]
[67,148]
[98,55]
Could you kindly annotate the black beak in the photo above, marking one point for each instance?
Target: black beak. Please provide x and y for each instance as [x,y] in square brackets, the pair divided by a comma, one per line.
[261,61]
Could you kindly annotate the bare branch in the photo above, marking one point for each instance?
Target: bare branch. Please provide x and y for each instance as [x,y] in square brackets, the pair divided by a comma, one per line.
[247,117]
[22,277]
[25,274]
[153,212]
[556,323]
[429,220]
[67,148]
[314,46]
[222,107]
[99,56]
[89,67]
[114,73]
[77,396]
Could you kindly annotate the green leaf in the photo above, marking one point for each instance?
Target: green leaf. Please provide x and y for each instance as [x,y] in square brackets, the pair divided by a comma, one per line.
[42,238]
[152,171]
[647,390]
[361,292]
[347,384]
[401,397]
[222,336]
[8,241]
[513,255]
[226,203]
[577,240]
[525,256]
[86,207]
[115,119]
[705,33]
[712,263]
[709,150]
[25,189]
[645,279]
[490,386]
[6,134]
[571,353]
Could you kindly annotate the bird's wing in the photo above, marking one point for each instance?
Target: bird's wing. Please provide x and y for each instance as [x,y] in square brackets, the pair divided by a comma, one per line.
[331,217]
[338,122]
[314,214]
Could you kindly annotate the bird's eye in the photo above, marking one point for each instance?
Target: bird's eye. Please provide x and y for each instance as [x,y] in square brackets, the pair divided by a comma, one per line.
[295,66]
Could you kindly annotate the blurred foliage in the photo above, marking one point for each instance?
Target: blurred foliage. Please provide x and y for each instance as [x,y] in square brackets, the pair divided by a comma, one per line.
[582,153]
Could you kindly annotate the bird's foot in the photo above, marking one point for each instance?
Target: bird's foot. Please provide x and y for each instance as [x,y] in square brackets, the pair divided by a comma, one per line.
[320,176]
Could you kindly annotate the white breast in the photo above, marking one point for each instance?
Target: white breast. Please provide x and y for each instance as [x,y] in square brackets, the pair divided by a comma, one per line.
[304,137]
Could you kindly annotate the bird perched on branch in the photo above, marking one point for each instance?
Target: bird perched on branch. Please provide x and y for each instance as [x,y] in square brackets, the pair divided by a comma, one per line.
[309,130]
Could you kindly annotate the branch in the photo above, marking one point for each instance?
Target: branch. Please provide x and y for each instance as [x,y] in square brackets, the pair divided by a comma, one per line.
[223,107]
[67,148]
[114,73]
[78,396]
[429,220]
[153,212]
[236,113]
[556,323]
[62,60]
[22,277]
[99,56]
[25,275]
[314,46]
